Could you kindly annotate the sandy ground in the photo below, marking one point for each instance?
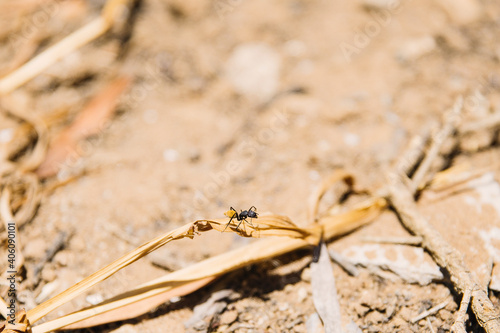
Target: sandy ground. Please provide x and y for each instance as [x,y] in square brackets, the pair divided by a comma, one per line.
[241,103]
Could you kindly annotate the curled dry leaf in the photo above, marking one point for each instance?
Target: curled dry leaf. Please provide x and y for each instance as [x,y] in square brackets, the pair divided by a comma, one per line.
[91,121]
[315,198]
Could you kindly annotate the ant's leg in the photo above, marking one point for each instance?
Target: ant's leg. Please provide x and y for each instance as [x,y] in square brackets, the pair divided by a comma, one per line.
[239,223]
[227,225]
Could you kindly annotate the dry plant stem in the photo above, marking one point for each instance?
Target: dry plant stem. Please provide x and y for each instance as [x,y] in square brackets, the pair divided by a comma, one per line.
[459,324]
[215,266]
[56,246]
[429,324]
[429,312]
[3,308]
[412,154]
[64,47]
[323,188]
[408,160]
[484,124]
[267,226]
[39,63]
[449,127]
[444,254]
[212,267]
[40,311]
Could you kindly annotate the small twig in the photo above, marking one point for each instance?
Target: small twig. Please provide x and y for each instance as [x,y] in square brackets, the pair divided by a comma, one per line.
[486,123]
[408,160]
[429,312]
[450,124]
[459,324]
[443,253]
[412,154]
[56,246]
[429,324]
[82,36]
[409,240]
[3,308]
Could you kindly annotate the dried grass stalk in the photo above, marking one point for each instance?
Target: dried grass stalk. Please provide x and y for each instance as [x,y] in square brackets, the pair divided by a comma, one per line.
[176,282]
[77,39]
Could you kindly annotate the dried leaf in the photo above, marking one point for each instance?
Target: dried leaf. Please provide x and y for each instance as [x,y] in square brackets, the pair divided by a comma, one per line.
[91,121]
[324,292]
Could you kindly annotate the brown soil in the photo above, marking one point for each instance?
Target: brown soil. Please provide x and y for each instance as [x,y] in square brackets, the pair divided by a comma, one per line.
[354,82]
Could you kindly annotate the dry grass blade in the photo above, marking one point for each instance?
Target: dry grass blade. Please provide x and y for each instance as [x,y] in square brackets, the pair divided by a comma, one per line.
[64,47]
[188,230]
[20,325]
[90,121]
[323,187]
[3,307]
[325,293]
[210,268]
[128,310]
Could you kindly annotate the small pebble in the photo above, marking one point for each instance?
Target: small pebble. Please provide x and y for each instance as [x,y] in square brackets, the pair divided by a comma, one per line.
[283,306]
[228,317]
[175,299]
[351,139]
[35,249]
[61,258]
[302,294]
[48,274]
[94,299]
[416,48]
[170,155]
[254,71]
[6,135]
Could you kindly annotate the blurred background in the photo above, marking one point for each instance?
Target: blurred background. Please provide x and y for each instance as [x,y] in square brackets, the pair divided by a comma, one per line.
[180,109]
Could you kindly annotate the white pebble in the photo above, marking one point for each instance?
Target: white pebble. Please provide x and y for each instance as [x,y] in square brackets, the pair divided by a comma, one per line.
[94,299]
[170,155]
[416,48]
[254,71]
[351,139]
[6,135]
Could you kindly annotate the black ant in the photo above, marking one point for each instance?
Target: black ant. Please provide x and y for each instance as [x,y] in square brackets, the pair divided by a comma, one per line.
[242,216]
